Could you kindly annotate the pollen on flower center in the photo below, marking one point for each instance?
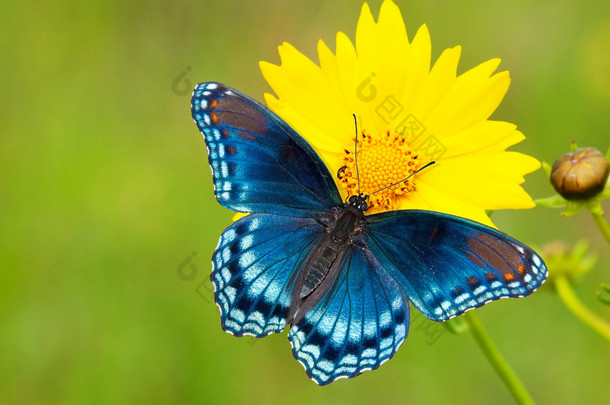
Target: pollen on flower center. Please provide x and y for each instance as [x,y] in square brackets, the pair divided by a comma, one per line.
[382,160]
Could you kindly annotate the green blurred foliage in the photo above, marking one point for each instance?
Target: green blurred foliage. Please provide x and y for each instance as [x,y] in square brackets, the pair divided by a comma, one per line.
[105,191]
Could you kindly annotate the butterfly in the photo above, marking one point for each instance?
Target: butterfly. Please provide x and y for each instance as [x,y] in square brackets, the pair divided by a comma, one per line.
[303,257]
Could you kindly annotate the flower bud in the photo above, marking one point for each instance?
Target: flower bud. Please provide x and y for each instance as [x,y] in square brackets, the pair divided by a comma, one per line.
[581,174]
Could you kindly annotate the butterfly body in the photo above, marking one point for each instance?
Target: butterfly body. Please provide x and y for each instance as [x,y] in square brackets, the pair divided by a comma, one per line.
[340,228]
[341,279]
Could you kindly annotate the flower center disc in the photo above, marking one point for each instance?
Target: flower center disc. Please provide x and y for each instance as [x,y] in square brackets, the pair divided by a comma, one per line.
[382,160]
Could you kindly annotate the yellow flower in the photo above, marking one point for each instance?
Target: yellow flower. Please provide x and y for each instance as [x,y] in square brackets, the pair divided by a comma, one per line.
[408,115]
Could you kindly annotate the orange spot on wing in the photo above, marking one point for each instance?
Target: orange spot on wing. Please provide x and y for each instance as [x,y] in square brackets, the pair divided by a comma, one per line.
[213,103]
[521,268]
[473,281]
[214,118]
[508,276]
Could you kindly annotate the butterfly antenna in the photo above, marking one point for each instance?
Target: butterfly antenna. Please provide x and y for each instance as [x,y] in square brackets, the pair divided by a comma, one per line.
[356,152]
[398,182]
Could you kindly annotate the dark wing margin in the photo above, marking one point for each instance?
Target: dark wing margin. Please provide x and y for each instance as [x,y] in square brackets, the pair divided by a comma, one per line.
[259,163]
[448,265]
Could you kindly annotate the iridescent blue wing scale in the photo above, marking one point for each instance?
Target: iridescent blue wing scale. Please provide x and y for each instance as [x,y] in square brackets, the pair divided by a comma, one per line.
[254,268]
[259,163]
[447,265]
[357,325]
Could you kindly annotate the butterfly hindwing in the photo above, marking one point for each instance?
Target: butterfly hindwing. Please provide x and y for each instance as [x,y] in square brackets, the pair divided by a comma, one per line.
[254,269]
[447,265]
[356,326]
[258,162]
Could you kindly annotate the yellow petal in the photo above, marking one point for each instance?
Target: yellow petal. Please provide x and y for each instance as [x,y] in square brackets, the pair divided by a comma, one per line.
[416,69]
[441,78]
[352,74]
[240,215]
[386,59]
[472,98]
[431,198]
[306,104]
[488,136]
[487,180]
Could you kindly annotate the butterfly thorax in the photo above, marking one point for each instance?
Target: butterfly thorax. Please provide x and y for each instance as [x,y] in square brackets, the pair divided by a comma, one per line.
[320,268]
[347,219]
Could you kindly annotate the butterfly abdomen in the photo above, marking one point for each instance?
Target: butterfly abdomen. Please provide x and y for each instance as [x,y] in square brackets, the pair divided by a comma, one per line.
[319,267]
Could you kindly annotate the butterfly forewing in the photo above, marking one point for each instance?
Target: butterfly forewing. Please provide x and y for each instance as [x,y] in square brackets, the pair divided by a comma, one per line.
[259,163]
[448,265]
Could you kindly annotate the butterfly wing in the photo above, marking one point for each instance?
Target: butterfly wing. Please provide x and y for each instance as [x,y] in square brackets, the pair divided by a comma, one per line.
[448,265]
[356,326]
[259,163]
[254,270]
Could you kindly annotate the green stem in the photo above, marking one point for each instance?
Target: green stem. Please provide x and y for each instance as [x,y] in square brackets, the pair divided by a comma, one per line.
[602,225]
[569,298]
[506,373]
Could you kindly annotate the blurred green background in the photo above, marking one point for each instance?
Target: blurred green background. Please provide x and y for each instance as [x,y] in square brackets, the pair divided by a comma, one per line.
[105,191]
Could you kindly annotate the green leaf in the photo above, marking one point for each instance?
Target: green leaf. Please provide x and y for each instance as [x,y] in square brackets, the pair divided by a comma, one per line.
[573,207]
[555,201]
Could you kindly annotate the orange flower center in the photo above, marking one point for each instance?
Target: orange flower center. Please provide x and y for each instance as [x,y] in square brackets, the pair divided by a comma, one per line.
[382,161]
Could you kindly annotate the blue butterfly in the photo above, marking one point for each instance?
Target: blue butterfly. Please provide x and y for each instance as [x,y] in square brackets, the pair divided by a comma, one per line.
[340,279]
